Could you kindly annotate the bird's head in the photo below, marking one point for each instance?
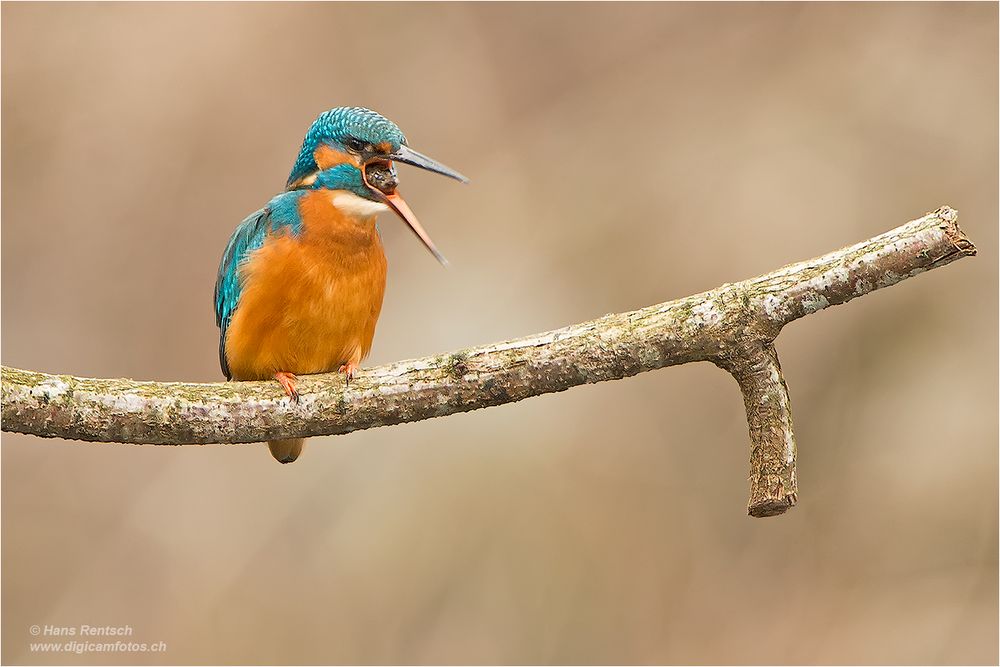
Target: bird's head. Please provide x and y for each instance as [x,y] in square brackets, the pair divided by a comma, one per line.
[353,149]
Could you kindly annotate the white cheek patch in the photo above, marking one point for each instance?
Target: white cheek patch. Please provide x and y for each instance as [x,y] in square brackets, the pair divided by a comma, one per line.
[356,206]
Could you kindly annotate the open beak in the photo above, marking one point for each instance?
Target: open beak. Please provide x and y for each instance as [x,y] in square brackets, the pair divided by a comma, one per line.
[407,155]
[398,204]
[384,185]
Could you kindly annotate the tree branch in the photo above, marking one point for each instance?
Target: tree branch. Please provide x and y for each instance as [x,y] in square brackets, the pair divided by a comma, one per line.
[772,442]
[732,326]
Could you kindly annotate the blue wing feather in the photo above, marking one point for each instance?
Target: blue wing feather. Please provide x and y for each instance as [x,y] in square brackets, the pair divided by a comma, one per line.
[280,214]
[248,237]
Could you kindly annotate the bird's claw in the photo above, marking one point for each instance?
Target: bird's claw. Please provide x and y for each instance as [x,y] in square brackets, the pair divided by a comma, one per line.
[348,370]
[287,382]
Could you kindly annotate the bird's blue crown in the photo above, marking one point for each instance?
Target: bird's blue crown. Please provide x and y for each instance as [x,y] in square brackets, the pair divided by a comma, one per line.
[341,127]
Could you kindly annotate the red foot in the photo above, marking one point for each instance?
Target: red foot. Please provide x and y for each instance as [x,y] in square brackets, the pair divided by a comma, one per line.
[287,382]
[348,370]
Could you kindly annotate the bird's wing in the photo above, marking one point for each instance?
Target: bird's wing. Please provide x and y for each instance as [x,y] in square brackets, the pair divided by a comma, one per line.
[248,237]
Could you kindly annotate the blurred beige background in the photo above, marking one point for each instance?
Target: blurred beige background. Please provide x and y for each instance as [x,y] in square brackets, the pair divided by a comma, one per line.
[621,155]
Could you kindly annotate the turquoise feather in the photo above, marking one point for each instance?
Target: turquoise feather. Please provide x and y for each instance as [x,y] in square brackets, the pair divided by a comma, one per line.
[336,126]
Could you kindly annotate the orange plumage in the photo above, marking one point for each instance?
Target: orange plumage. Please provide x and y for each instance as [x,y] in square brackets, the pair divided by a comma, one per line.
[309,303]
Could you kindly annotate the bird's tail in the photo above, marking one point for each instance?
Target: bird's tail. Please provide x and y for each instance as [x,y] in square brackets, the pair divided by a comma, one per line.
[286,451]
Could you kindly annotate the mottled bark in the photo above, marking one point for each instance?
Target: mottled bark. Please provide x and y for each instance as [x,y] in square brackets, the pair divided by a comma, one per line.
[769,415]
[732,326]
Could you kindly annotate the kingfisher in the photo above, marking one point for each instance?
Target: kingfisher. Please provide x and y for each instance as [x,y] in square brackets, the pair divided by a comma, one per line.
[301,281]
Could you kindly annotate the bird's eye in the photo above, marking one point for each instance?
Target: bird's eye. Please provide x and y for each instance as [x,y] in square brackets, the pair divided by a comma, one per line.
[355,145]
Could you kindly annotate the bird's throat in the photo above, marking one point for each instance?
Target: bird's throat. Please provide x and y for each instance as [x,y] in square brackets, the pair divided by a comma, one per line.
[352,206]
[337,217]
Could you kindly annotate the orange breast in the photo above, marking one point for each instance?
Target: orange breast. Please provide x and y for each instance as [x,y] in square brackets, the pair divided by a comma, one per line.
[309,303]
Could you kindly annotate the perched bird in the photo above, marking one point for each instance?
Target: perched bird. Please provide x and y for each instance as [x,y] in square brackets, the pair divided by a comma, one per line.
[301,281]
